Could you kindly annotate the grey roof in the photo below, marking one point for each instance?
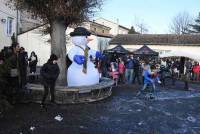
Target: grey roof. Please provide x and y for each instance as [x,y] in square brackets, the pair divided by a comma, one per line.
[117,49]
[156,39]
[145,50]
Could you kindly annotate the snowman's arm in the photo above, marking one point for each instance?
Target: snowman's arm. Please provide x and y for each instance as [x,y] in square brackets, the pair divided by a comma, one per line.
[74,56]
[92,53]
[96,54]
[72,53]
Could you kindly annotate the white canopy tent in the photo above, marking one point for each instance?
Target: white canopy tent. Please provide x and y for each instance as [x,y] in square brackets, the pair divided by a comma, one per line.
[180,53]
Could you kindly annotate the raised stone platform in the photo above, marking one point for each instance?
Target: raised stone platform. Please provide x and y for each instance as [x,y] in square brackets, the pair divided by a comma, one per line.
[69,95]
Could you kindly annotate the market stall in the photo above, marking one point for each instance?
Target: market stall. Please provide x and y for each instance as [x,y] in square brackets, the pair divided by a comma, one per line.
[146,53]
[181,53]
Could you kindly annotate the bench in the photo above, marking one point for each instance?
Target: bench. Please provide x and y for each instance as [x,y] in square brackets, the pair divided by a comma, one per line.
[37,87]
[75,93]
[35,75]
[66,95]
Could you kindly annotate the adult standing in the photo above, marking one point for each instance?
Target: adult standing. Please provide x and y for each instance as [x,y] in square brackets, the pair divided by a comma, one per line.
[105,66]
[32,65]
[163,63]
[129,69]
[33,62]
[12,67]
[121,67]
[137,71]
[23,63]
[49,73]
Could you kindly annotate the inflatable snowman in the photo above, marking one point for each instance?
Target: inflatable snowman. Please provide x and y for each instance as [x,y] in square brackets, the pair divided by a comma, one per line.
[82,71]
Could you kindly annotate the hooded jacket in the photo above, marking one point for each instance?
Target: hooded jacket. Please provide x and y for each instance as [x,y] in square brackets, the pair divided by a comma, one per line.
[49,73]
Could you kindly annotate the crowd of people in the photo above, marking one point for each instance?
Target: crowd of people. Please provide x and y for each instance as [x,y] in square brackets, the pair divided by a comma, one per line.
[185,66]
[128,69]
[14,63]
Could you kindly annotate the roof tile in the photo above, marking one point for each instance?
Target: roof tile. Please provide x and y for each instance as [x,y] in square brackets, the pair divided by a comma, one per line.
[156,39]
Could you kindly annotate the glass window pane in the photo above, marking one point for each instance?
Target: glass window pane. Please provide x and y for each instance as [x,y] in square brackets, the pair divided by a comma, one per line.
[9,26]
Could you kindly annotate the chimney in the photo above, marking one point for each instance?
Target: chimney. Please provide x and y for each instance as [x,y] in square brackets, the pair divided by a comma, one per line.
[117,26]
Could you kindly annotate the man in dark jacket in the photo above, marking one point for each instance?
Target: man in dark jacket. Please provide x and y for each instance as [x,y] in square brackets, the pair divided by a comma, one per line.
[23,63]
[49,73]
[129,64]
[137,71]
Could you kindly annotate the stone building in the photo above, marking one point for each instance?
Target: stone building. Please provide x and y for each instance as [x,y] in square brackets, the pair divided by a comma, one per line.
[115,27]
[161,43]
[96,27]
[8,19]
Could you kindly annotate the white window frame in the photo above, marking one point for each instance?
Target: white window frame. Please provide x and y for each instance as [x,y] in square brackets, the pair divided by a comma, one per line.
[9,26]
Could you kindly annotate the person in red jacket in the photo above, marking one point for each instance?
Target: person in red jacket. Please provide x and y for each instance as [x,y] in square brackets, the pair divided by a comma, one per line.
[121,68]
[196,71]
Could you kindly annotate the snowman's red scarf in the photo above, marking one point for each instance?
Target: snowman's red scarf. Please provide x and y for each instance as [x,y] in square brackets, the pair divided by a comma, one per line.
[86,58]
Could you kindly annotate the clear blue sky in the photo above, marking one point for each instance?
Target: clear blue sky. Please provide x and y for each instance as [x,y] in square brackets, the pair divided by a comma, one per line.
[156,14]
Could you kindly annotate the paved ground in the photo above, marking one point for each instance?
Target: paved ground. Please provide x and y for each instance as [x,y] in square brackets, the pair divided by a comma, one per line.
[173,112]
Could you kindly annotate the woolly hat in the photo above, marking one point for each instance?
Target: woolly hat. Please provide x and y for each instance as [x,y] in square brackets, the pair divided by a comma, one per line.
[53,57]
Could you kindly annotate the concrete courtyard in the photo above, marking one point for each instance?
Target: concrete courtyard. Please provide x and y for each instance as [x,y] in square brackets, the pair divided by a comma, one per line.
[174,111]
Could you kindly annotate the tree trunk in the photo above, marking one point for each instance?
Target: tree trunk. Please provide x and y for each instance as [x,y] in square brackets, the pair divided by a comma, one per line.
[58,47]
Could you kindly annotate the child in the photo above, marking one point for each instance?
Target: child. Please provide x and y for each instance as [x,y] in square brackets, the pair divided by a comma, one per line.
[114,72]
[49,73]
[149,79]
[121,68]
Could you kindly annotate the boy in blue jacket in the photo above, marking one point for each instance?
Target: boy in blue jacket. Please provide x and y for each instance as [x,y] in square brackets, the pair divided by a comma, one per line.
[148,80]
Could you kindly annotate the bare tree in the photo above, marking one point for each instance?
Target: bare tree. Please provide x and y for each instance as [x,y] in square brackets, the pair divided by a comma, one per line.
[142,28]
[195,28]
[59,14]
[181,23]
[140,25]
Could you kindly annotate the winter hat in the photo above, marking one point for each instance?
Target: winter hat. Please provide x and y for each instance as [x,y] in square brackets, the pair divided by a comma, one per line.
[80,31]
[53,57]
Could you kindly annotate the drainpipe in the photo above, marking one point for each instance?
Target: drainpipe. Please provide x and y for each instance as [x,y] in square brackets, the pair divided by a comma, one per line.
[17,23]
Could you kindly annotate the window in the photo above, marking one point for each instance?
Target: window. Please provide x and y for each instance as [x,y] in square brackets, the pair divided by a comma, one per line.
[9,26]
[95,29]
[102,31]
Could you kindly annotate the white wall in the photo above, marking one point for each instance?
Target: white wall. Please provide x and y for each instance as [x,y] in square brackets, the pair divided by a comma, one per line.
[5,12]
[123,31]
[114,26]
[35,41]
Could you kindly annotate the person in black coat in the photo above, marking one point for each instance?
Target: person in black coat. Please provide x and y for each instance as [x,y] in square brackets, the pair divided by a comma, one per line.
[23,63]
[49,74]
[137,71]
[33,62]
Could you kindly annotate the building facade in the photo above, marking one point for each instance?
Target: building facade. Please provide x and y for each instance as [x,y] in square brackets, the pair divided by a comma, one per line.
[95,27]
[8,19]
[115,27]
[162,43]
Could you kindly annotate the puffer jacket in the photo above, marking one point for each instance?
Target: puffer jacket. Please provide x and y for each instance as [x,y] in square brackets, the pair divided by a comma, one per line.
[49,73]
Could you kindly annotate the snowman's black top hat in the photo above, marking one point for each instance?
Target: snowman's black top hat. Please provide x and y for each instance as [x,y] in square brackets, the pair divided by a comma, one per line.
[80,31]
